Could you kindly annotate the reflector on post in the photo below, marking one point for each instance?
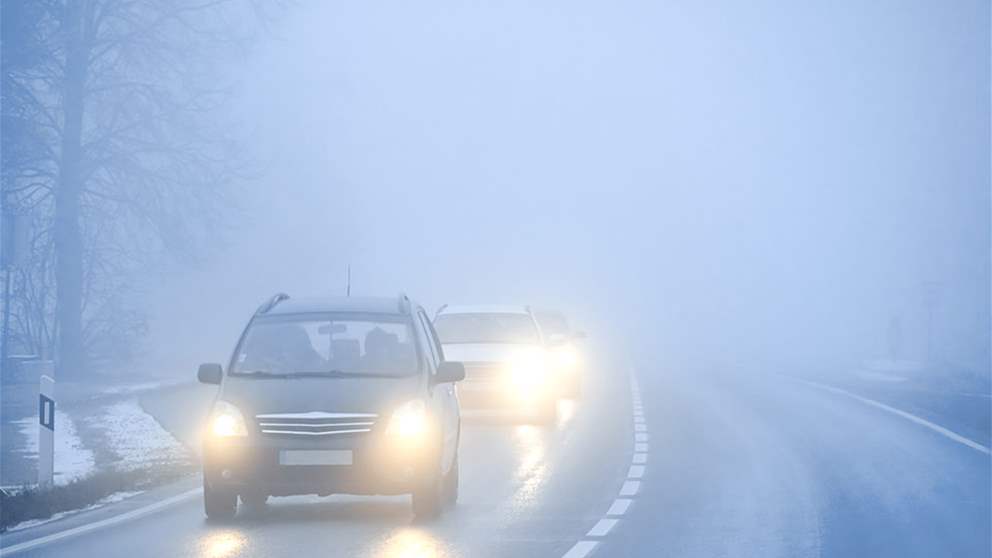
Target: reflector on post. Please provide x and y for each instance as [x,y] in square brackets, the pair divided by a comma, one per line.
[46,431]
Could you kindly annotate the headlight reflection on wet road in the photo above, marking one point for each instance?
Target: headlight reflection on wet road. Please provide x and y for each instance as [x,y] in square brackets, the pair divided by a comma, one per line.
[532,469]
[411,543]
[222,544]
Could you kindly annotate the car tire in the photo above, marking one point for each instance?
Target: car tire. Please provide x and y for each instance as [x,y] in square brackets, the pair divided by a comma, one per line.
[254,498]
[451,484]
[219,505]
[426,499]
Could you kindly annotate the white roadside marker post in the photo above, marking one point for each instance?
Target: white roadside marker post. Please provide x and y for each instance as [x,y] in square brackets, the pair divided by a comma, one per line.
[46,432]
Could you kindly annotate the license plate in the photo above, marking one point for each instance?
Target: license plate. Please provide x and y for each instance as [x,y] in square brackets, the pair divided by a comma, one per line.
[315,457]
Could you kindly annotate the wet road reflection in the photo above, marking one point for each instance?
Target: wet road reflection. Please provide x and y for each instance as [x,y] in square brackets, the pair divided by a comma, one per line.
[411,543]
[221,544]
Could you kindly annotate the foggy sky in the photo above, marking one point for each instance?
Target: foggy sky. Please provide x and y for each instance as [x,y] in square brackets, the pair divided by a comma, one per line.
[730,182]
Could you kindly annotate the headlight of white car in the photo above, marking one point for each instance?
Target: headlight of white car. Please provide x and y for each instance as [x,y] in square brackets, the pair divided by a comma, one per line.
[567,357]
[226,421]
[527,372]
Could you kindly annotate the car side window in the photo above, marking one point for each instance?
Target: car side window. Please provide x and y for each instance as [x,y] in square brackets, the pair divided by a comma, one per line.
[425,338]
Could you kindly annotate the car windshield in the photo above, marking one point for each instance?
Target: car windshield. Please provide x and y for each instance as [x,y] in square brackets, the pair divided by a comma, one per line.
[327,344]
[480,327]
[552,323]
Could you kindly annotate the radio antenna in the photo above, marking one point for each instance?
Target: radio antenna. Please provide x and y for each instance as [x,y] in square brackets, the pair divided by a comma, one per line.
[348,288]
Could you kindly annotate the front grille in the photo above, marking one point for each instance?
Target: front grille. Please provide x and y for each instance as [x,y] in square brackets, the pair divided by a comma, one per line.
[315,423]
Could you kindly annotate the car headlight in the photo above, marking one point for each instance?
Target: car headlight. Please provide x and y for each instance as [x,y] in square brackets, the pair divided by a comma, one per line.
[226,421]
[409,420]
[566,357]
[527,373]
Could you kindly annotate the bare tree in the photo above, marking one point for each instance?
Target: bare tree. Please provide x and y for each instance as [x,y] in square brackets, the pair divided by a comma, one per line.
[130,157]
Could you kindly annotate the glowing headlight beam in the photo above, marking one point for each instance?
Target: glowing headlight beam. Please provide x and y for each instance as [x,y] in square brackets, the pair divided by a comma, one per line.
[409,420]
[227,421]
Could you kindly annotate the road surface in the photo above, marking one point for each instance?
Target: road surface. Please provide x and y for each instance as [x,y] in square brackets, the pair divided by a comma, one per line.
[725,465]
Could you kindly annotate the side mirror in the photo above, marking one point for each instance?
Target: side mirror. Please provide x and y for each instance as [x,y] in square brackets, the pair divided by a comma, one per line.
[449,372]
[210,373]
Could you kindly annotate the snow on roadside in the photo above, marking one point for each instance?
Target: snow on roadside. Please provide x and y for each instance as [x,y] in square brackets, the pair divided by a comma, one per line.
[131,388]
[72,459]
[135,437]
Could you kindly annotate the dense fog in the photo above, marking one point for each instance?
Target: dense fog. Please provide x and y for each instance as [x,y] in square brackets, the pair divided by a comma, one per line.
[736,184]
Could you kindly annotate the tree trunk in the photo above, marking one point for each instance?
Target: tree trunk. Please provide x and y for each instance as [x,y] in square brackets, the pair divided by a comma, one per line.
[67,230]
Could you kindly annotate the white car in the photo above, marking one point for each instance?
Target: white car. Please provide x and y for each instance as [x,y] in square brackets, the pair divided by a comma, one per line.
[508,362]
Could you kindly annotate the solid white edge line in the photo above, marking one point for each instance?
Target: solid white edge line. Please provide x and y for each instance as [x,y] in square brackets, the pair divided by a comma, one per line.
[619,506]
[127,516]
[630,488]
[639,458]
[580,549]
[912,418]
[602,527]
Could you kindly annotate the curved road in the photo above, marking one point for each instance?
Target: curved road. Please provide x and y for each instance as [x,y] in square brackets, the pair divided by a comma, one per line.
[736,466]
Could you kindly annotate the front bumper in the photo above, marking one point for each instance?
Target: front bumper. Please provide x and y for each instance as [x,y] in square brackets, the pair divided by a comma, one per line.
[379,465]
[474,395]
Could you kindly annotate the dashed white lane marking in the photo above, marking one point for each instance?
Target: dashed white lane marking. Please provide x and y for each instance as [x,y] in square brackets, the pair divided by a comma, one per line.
[619,507]
[133,514]
[602,527]
[912,418]
[581,549]
[630,488]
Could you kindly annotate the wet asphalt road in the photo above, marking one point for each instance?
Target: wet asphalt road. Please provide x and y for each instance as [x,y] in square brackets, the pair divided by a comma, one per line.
[737,466]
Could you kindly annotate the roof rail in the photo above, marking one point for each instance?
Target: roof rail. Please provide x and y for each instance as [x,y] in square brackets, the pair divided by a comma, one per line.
[404,304]
[271,303]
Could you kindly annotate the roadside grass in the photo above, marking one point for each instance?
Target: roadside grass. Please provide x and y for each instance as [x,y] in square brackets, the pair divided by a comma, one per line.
[36,503]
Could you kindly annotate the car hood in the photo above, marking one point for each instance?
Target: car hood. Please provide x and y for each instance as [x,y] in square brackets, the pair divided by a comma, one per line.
[254,396]
[486,352]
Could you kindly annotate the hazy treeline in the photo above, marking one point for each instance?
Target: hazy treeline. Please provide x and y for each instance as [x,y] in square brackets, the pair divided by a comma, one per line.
[115,154]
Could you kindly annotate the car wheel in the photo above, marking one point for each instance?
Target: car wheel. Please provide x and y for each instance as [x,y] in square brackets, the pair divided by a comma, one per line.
[426,498]
[219,504]
[254,498]
[451,484]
